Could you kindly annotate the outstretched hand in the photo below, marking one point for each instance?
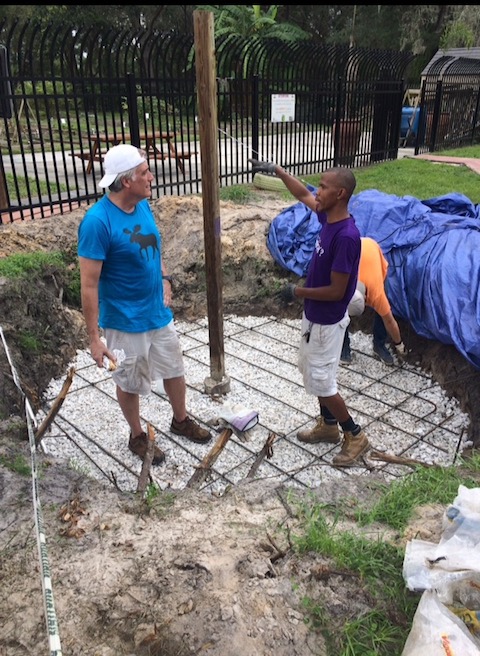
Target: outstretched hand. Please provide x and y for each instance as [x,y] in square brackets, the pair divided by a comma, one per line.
[262,167]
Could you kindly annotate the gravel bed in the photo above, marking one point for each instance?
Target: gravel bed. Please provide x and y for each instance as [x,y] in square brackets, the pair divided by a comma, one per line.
[403,411]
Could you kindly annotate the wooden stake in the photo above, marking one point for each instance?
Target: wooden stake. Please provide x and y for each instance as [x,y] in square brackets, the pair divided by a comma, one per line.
[147,461]
[267,451]
[203,469]
[57,404]
[397,460]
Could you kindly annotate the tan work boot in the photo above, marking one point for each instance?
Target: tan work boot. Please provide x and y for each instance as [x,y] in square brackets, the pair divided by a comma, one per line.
[321,432]
[352,448]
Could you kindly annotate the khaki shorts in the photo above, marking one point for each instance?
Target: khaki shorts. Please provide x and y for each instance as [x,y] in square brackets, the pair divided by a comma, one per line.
[318,358]
[154,355]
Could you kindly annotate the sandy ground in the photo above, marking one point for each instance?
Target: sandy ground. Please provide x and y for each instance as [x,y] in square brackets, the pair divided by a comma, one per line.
[184,573]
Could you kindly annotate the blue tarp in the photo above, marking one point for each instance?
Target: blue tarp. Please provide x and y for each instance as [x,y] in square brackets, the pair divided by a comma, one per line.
[433,251]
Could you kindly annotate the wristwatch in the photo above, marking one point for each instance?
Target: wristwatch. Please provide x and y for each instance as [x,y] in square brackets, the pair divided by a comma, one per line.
[169,278]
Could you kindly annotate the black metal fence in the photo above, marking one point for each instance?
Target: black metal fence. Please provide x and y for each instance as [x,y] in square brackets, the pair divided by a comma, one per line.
[68,94]
[449,105]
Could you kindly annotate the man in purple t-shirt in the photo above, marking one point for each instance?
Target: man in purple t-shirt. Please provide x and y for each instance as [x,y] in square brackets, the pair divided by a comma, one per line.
[330,284]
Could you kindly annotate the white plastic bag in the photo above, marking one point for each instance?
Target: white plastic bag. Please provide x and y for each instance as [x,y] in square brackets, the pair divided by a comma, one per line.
[429,566]
[461,520]
[449,574]
[436,631]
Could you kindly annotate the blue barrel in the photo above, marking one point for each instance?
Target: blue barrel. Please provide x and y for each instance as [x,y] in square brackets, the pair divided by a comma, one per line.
[407,113]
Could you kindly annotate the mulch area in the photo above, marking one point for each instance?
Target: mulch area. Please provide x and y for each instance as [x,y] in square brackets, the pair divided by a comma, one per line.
[38,212]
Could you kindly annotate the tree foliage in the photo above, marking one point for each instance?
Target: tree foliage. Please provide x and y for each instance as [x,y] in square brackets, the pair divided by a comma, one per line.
[119,17]
[422,29]
[253,22]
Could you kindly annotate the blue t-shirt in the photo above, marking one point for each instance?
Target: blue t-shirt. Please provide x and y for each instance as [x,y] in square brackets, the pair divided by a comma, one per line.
[129,245]
[337,249]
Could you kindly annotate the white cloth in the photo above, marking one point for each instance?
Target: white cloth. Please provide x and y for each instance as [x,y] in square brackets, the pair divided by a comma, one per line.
[239,417]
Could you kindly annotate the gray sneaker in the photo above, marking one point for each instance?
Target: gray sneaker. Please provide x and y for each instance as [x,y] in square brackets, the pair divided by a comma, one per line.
[321,432]
[382,352]
[353,447]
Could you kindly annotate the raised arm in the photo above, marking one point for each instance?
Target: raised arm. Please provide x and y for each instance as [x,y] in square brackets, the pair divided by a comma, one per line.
[293,184]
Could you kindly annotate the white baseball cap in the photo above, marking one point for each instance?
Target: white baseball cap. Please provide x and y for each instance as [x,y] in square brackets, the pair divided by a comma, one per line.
[357,304]
[119,159]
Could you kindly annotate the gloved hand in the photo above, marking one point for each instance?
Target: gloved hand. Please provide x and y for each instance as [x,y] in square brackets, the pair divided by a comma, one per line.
[287,293]
[400,350]
[262,167]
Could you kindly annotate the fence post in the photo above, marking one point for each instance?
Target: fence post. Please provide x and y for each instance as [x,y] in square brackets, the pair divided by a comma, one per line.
[422,123]
[132,110]
[435,116]
[6,98]
[475,117]
[255,115]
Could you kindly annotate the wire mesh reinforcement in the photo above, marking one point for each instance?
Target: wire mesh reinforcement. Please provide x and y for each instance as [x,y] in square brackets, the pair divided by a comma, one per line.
[403,412]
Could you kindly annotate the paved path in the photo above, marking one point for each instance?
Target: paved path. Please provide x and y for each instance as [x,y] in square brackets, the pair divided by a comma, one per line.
[473,163]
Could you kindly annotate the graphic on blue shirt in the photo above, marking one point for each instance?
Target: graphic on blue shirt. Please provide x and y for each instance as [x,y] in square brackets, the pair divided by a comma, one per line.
[129,245]
[144,241]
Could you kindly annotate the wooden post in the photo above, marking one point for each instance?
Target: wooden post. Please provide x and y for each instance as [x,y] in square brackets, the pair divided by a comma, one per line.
[205,66]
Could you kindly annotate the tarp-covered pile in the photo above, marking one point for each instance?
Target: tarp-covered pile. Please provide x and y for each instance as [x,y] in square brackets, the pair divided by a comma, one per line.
[433,250]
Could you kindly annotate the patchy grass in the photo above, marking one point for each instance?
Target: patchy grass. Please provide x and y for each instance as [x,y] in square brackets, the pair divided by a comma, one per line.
[376,563]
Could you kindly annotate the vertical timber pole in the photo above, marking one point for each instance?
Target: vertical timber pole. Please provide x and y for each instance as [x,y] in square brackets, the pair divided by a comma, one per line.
[205,68]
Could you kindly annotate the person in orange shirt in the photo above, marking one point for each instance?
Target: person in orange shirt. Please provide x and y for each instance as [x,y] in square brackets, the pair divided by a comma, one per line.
[372,273]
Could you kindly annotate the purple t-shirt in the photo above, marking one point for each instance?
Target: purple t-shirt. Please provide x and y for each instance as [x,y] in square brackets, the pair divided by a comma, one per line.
[337,249]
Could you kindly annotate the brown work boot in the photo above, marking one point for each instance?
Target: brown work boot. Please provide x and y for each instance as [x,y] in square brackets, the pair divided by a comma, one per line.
[138,445]
[191,430]
[321,432]
[352,448]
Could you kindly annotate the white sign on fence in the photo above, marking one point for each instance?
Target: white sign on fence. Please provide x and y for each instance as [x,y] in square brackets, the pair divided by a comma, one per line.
[283,107]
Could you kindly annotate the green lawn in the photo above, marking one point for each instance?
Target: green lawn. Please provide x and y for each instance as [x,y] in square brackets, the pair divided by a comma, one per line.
[402,177]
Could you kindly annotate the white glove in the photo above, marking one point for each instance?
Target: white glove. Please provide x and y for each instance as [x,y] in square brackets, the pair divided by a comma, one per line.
[400,349]
[111,365]
[239,417]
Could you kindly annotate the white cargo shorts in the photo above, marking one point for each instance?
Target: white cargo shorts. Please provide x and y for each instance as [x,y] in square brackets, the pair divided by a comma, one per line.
[319,355]
[150,356]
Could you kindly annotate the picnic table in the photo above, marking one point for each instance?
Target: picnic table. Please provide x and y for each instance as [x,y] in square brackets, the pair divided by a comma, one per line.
[149,141]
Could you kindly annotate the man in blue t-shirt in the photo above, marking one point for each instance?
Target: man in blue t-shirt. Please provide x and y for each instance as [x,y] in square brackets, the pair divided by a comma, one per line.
[329,286]
[126,292]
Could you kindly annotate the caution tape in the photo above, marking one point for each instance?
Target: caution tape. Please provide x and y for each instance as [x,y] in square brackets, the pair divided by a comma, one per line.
[49,606]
